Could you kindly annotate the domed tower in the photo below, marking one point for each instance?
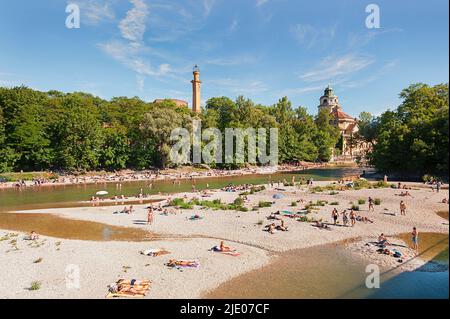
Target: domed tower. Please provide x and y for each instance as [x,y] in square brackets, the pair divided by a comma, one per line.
[196,96]
[329,100]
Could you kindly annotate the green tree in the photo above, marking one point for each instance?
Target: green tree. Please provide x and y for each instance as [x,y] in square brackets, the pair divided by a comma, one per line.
[413,139]
[327,135]
[77,134]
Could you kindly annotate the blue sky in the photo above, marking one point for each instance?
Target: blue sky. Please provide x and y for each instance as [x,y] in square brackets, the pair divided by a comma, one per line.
[262,49]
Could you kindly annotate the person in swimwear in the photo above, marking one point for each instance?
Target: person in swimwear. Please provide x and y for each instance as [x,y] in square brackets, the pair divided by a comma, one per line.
[353,217]
[415,238]
[33,235]
[224,248]
[282,227]
[382,240]
[335,215]
[175,263]
[134,286]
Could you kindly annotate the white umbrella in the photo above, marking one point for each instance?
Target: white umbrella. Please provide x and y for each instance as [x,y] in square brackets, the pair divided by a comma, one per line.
[102,193]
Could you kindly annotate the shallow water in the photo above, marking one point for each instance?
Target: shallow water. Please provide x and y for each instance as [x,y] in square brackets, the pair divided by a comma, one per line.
[331,271]
[71,195]
[54,226]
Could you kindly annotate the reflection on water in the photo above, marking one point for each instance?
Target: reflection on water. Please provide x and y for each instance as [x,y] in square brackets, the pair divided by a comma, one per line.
[331,272]
[67,196]
[319,272]
[54,226]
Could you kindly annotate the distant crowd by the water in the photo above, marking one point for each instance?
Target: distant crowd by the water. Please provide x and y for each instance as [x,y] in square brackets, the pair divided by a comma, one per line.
[152,175]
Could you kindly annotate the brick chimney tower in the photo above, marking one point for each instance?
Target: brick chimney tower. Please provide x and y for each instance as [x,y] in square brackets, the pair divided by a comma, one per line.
[196,96]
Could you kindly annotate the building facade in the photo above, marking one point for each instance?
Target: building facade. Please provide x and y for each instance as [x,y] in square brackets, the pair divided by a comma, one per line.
[349,148]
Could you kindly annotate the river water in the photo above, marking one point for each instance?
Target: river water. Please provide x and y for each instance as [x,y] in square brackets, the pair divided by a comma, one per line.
[71,195]
[327,271]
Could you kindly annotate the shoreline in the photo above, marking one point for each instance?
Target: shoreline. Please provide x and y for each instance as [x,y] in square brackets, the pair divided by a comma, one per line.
[241,230]
[183,173]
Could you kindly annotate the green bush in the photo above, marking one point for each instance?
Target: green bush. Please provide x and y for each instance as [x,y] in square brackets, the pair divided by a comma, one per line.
[381,184]
[361,201]
[264,204]
[361,183]
[377,201]
[355,207]
[176,202]
[334,203]
[35,285]
[294,204]
[238,201]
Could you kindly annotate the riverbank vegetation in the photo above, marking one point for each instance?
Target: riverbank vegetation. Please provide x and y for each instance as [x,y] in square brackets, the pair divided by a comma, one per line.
[81,132]
[411,140]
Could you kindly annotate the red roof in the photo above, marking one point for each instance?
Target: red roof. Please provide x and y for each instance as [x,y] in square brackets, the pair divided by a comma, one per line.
[341,115]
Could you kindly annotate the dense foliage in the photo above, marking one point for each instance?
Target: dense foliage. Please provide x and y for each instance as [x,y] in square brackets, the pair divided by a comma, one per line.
[79,132]
[413,139]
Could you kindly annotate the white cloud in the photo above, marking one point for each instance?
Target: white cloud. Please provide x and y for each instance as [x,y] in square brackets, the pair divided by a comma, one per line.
[373,77]
[239,87]
[131,50]
[234,25]
[313,37]
[332,67]
[364,38]
[94,12]
[233,60]
[261,2]
[131,57]
[301,90]
[208,6]
[133,26]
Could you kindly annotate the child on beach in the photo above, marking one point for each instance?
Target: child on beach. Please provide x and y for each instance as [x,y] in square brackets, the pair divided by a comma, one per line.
[402,208]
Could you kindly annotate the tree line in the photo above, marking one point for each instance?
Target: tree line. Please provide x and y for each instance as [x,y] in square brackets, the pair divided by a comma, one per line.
[81,132]
[411,140]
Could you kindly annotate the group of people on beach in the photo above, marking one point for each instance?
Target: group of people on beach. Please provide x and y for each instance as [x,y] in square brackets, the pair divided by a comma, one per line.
[351,217]
[383,241]
[271,228]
